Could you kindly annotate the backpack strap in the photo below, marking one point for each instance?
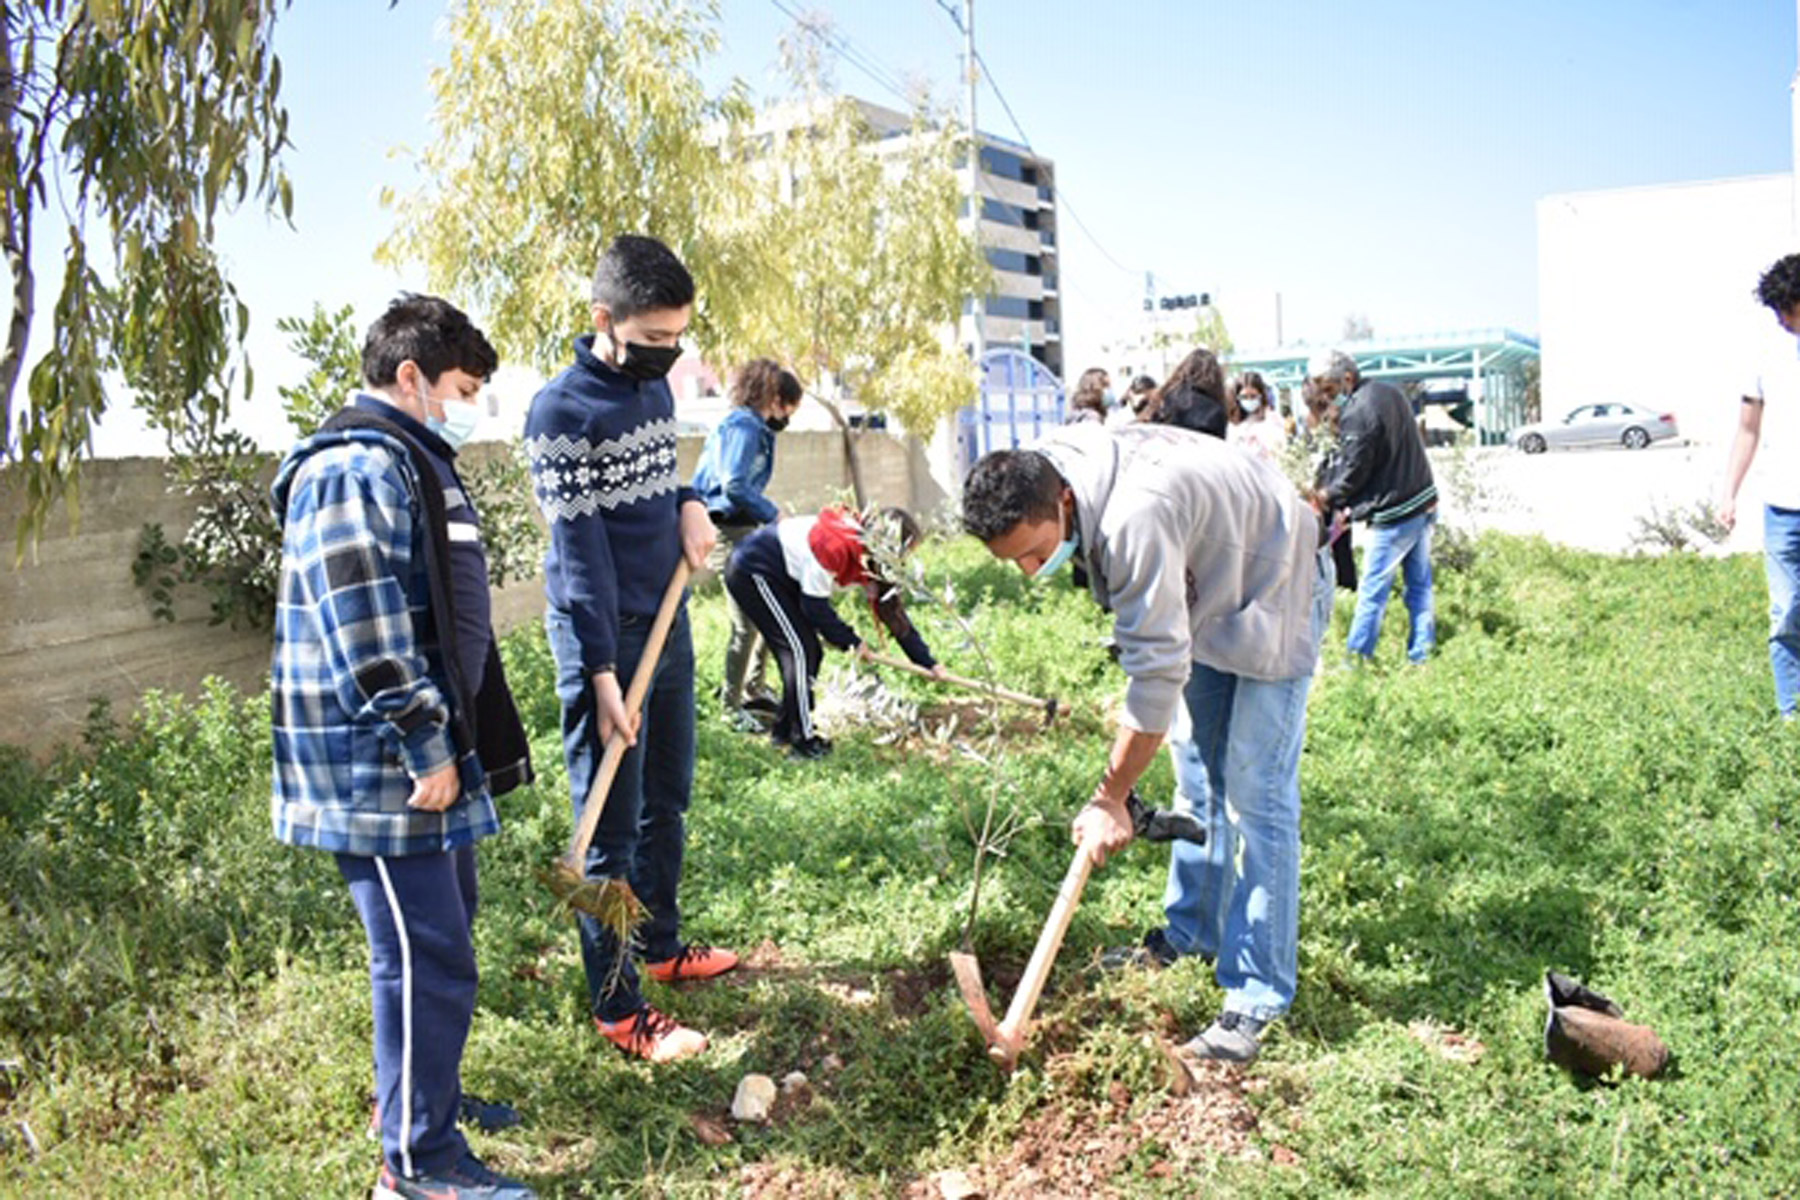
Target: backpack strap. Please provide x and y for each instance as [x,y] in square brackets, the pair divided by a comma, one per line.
[430,494]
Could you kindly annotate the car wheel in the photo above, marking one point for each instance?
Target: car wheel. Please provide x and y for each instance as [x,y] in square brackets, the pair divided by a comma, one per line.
[1532,443]
[1635,438]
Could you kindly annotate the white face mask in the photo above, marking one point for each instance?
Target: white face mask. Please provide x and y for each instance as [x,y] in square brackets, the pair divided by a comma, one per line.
[1249,403]
[1059,558]
[458,423]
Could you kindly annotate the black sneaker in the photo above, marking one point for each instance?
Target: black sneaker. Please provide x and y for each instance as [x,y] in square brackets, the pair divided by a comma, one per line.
[1155,952]
[469,1179]
[1233,1037]
[762,704]
[489,1116]
[810,748]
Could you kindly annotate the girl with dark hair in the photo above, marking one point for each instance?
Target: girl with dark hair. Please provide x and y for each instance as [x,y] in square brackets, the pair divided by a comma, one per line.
[1247,406]
[734,470]
[1193,397]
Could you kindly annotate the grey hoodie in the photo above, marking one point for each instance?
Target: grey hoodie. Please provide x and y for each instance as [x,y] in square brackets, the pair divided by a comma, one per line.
[1201,552]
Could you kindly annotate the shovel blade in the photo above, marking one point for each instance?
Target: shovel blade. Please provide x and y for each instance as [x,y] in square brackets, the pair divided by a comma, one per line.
[1002,1047]
[968,982]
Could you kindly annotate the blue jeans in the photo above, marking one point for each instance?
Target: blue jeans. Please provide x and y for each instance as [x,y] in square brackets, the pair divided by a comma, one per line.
[1781,557]
[643,829]
[1404,549]
[1236,900]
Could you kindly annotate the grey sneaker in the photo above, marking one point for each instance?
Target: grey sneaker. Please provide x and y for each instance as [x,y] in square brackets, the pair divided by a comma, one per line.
[1234,1037]
[742,720]
[1155,952]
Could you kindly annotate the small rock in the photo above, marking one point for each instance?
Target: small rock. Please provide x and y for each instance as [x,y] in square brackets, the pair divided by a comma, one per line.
[755,1096]
[792,1080]
[832,1063]
[956,1185]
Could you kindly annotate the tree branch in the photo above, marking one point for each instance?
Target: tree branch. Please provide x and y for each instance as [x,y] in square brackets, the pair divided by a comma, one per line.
[15,232]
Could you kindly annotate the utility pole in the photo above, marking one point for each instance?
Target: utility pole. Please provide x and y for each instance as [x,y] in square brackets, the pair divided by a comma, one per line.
[978,309]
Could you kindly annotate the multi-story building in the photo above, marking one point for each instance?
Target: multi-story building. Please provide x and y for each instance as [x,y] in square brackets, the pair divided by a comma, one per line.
[1018,231]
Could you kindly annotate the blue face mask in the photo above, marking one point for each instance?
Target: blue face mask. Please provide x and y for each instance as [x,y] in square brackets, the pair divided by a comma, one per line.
[457,424]
[1058,559]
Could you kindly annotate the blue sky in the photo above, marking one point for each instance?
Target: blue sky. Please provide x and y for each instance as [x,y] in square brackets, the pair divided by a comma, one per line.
[1382,157]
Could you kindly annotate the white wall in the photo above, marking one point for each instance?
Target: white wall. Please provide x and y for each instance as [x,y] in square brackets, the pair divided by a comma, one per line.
[1646,295]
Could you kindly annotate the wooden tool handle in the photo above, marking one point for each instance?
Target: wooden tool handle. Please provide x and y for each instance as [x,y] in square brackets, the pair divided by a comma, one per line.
[634,701]
[973,685]
[1037,971]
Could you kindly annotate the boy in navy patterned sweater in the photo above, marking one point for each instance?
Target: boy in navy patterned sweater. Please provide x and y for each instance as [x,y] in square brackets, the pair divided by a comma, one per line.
[601,439]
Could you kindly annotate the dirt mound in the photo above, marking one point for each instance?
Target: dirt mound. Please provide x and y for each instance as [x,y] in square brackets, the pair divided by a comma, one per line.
[1087,1151]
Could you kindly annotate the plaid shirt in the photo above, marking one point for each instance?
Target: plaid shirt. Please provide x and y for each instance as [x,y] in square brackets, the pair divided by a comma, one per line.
[358,688]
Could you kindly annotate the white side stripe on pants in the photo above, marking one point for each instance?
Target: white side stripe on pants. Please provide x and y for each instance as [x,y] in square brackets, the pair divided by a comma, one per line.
[406,1016]
[802,669]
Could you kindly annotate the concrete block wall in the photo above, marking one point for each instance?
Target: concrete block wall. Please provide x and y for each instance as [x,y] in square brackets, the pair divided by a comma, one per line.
[73,625]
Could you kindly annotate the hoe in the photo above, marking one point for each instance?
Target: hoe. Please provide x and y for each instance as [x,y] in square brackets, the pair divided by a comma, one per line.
[1051,708]
[1007,1037]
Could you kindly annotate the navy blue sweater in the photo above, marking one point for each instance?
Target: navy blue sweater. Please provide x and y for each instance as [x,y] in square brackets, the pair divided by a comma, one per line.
[602,451]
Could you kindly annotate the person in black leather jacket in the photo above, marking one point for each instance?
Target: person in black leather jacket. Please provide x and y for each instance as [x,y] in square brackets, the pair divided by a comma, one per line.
[1381,476]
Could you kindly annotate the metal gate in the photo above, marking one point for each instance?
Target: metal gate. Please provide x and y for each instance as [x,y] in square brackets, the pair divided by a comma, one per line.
[1021,400]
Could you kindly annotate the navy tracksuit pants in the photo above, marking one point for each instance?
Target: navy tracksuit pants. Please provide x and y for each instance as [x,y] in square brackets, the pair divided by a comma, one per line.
[417,910]
[771,599]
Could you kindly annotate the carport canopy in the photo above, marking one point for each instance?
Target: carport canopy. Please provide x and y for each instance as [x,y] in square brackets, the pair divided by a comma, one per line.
[1491,363]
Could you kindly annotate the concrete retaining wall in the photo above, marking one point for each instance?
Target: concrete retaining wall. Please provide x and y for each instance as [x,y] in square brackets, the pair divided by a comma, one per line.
[73,625]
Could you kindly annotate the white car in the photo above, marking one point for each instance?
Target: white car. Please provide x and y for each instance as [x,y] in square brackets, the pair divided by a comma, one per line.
[1597,425]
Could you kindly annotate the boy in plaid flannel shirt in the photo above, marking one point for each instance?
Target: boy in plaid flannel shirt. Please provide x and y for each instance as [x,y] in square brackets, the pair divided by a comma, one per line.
[393,727]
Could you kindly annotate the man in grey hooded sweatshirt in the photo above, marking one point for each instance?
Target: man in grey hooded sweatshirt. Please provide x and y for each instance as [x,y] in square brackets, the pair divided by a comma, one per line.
[1210,563]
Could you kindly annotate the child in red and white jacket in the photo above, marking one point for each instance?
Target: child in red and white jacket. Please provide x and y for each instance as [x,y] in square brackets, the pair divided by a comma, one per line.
[783,576]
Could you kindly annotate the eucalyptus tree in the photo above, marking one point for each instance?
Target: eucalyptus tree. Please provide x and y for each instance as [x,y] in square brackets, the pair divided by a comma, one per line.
[129,126]
[557,125]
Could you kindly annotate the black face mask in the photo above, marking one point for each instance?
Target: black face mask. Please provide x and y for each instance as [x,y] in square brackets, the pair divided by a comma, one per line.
[776,424]
[641,362]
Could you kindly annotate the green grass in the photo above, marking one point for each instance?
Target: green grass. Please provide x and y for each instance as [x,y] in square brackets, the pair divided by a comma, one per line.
[1587,777]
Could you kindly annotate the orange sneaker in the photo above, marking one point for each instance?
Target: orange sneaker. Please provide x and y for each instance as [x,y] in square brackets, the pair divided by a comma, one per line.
[694,962]
[652,1035]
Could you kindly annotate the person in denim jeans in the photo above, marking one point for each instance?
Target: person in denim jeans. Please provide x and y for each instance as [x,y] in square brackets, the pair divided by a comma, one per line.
[734,470]
[601,440]
[1211,565]
[1380,475]
[1235,901]
[1770,414]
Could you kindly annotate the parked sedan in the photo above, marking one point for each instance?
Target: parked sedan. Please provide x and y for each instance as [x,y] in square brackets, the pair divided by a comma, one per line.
[1597,425]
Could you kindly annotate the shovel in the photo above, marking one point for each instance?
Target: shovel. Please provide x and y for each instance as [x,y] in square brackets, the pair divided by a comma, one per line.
[1006,1038]
[1051,708]
[611,901]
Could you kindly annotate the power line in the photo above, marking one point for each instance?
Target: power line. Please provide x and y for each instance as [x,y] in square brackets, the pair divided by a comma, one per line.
[847,51]
[1062,198]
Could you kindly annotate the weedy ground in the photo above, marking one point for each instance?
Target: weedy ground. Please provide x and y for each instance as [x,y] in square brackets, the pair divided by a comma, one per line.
[1587,777]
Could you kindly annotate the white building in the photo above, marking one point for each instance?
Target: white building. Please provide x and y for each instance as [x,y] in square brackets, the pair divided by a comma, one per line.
[1646,295]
